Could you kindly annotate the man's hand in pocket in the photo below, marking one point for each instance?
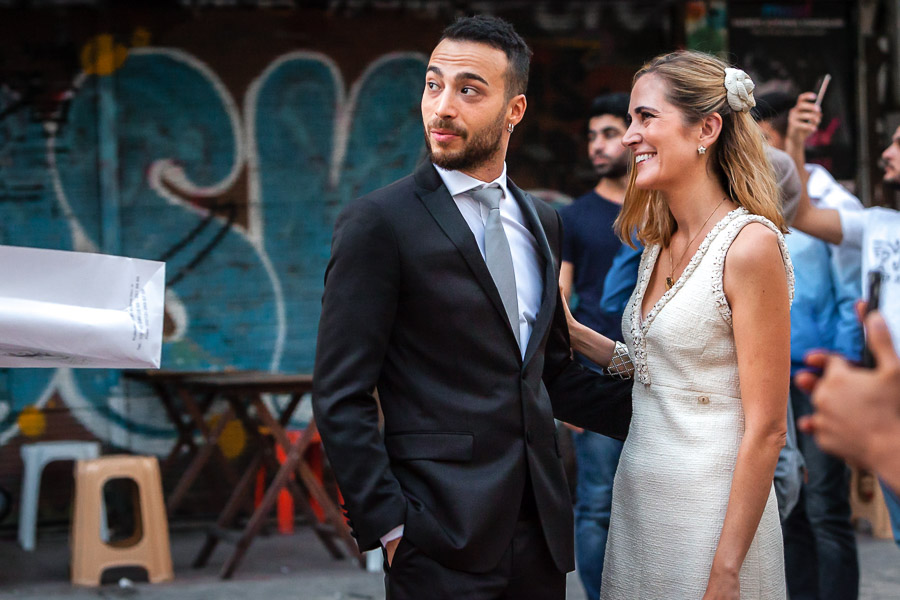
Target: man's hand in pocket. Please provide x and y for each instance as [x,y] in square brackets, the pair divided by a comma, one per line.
[391,548]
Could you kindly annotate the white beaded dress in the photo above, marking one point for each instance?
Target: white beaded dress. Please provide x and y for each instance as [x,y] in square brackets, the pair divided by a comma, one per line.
[674,477]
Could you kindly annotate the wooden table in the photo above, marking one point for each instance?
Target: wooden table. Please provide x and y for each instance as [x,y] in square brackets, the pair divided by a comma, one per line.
[187,414]
[243,393]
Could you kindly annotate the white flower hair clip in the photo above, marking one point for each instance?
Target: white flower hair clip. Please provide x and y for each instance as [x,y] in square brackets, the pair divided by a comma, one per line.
[739,88]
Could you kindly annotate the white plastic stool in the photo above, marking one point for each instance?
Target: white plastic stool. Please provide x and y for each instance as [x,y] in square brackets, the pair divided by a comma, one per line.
[36,457]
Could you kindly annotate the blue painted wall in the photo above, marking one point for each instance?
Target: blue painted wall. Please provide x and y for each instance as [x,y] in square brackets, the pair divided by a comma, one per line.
[226,141]
[154,156]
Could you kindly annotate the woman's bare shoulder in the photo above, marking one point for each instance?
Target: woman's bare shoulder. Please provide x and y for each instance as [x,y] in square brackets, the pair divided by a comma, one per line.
[755,253]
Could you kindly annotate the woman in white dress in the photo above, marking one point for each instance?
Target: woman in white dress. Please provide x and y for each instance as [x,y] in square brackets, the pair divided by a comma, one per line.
[707,328]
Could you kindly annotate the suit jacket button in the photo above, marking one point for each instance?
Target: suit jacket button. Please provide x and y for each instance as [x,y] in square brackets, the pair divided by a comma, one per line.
[528,436]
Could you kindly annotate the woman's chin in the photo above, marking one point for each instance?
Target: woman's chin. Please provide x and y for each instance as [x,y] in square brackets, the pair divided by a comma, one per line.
[644,185]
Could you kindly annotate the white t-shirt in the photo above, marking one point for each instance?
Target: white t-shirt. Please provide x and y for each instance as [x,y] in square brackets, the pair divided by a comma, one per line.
[826,192]
[876,231]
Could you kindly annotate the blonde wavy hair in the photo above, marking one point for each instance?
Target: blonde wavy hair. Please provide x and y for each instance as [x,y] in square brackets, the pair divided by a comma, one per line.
[695,85]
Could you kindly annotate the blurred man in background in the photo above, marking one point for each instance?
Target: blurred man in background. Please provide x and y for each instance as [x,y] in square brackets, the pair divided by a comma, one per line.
[589,247]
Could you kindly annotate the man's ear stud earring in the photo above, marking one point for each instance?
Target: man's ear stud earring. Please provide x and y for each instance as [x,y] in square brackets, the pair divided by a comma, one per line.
[510,127]
[701,149]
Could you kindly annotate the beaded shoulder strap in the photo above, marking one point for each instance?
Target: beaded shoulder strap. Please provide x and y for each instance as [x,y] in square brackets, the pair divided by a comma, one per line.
[724,243]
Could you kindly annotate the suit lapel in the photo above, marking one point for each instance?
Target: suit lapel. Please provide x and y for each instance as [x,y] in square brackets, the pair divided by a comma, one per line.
[548,297]
[434,195]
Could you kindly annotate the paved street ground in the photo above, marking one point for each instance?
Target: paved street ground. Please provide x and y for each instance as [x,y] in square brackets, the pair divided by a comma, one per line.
[288,567]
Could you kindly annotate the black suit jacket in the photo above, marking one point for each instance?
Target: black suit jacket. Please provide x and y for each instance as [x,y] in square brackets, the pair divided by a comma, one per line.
[410,309]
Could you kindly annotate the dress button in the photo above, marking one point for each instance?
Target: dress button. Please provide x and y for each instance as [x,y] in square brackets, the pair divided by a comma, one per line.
[703,399]
[528,436]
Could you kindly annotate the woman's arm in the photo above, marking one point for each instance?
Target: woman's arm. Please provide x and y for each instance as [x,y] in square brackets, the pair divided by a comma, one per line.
[597,347]
[757,291]
[566,279]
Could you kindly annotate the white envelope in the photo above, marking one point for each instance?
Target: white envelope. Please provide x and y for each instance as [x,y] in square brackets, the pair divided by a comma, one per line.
[77,309]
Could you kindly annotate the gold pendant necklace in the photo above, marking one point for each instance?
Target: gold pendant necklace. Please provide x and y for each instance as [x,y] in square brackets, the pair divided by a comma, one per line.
[670,280]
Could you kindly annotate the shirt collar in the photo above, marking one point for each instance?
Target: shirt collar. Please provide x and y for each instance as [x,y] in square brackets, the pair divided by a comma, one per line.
[458,182]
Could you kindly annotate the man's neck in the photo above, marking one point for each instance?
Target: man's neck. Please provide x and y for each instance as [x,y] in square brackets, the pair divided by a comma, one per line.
[490,169]
[612,188]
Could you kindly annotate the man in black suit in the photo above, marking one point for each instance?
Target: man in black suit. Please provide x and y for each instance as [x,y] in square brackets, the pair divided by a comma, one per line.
[469,351]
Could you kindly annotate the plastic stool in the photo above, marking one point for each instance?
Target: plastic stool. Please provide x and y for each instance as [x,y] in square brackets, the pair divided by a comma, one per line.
[148,548]
[36,457]
[285,506]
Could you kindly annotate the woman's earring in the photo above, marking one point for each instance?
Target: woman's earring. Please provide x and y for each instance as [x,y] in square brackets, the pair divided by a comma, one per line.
[701,149]
[510,127]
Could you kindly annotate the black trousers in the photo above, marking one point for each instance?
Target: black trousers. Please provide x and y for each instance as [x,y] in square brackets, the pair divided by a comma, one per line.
[526,572]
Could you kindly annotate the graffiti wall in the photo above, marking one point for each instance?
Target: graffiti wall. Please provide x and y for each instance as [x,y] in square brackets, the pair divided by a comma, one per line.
[225,141]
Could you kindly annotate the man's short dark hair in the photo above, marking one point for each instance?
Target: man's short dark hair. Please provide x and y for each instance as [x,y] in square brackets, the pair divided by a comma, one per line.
[615,104]
[499,34]
[773,107]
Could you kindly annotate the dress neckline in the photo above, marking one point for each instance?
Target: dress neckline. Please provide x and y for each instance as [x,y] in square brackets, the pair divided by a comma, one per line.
[653,256]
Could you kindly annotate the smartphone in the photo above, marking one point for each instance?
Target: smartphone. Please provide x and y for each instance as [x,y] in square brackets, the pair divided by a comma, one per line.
[874,300]
[822,87]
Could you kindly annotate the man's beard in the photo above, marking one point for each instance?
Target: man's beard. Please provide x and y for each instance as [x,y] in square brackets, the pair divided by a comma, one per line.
[482,146]
[891,182]
[614,169]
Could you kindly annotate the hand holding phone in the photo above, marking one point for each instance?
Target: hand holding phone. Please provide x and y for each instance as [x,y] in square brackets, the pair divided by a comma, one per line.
[822,87]
[804,117]
[874,300]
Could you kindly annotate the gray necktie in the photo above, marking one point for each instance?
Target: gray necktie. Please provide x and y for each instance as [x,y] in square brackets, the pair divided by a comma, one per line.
[498,256]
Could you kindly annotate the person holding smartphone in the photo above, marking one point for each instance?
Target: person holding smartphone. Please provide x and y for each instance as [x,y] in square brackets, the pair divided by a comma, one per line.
[876,231]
